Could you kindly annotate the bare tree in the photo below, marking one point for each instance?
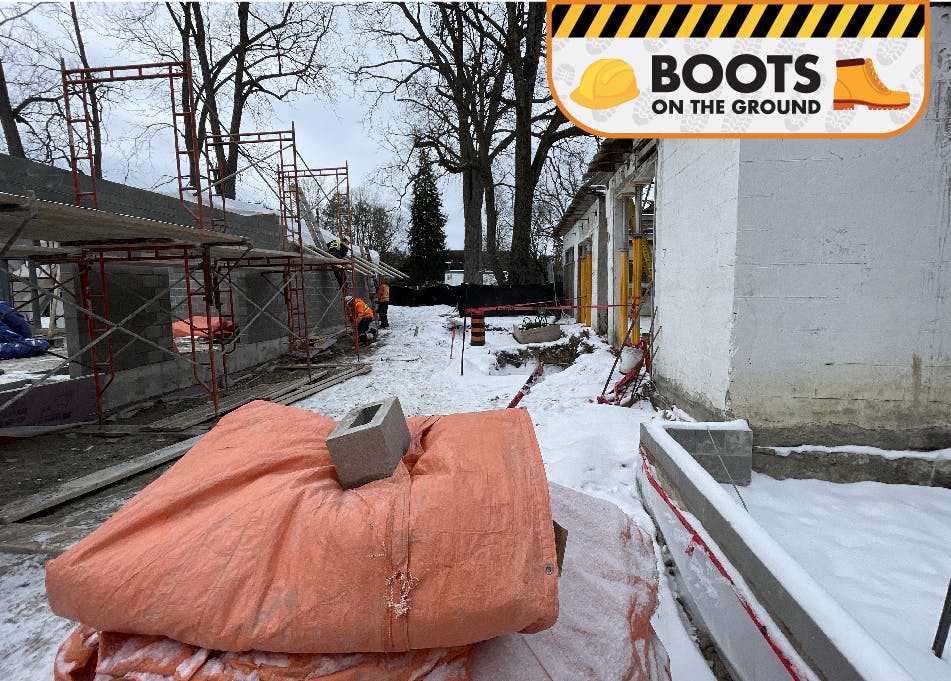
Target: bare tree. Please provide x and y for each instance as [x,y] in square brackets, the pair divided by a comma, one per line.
[441,65]
[473,77]
[538,123]
[30,90]
[248,55]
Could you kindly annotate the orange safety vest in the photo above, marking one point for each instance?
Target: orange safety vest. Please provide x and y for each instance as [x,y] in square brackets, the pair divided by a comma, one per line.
[362,310]
[383,293]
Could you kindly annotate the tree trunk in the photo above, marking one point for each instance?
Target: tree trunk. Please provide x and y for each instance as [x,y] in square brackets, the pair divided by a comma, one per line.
[525,29]
[8,120]
[197,25]
[229,188]
[492,231]
[96,120]
[473,190]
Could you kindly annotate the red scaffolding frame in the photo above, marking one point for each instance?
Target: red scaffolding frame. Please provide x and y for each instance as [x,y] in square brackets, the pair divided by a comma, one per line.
[76,84]
[208,286]
[205,290]
[341,181]
[295,291]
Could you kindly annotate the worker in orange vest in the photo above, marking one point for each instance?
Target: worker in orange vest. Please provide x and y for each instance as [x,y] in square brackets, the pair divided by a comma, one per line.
[382,298]
[361,315]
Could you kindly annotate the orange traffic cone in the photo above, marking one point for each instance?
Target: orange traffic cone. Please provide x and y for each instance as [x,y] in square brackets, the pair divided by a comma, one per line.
[857,83]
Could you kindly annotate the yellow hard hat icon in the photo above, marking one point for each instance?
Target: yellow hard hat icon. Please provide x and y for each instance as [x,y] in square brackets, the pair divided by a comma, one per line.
[606,83]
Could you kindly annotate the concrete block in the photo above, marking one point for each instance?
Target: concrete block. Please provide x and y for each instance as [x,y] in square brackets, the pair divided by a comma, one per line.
[725,450]
[368,443]
[544,334]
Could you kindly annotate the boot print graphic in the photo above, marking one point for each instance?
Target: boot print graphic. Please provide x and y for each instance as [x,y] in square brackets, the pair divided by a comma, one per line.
[858,83]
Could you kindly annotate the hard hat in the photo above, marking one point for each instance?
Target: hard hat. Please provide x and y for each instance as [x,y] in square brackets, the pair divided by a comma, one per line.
[606,83]
[349,299]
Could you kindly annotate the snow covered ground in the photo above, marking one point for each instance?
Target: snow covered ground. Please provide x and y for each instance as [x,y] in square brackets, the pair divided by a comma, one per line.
[876,548]
[880,550]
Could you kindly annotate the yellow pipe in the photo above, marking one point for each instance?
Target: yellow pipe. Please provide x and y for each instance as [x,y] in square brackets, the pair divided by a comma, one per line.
[637,276]
[622,298]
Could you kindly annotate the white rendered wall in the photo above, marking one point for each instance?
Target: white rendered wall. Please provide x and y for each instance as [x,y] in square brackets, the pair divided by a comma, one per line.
[843,276]
[695,256]
[584,228]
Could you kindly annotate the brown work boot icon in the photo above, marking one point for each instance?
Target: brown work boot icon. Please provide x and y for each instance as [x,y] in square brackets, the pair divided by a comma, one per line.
[857,83]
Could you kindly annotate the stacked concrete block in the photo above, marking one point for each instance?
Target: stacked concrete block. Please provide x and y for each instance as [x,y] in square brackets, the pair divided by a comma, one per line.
[254,290]
[128,289]
[725,450]
[368,443]
[18,176]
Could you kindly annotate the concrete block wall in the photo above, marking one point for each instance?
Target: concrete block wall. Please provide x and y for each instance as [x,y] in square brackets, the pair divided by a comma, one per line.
[695,261]
[18,176]
[843,247]
[128,289]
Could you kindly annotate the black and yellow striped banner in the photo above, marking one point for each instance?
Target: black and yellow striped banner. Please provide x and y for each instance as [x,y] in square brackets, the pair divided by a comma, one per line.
[689,20]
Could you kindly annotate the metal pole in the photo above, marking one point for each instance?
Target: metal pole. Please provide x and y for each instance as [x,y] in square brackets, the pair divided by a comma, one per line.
[36,310]
[6,289]
[944,624]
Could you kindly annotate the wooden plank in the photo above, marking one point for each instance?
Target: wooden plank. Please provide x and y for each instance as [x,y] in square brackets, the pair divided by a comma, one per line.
[307,391]
[238,398]
[71,489]
[65,223]
[122,430]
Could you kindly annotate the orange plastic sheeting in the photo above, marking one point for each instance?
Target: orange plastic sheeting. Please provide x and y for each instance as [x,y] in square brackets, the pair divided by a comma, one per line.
[198,327]
[608,592]
[90,656]
[250,543]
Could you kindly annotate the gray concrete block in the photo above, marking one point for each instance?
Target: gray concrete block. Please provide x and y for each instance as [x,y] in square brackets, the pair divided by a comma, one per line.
[724,451]
[368,443]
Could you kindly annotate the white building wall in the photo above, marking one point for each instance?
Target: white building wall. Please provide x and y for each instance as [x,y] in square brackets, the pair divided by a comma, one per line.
[806,284]
[695,258]
[843,279]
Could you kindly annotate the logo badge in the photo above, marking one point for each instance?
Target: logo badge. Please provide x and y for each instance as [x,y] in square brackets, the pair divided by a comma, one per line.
[699,69]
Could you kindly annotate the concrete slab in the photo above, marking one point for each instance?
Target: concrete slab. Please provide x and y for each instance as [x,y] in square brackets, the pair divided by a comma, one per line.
[725,450]
[368,443]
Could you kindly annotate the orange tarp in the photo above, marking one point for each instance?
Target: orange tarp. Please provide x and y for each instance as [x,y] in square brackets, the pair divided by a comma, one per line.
[198,327]
[607,594]
[250,543]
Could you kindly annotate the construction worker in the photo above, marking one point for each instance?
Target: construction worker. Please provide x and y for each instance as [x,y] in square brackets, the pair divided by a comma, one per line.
[361,315]
[382,298]
[339,249]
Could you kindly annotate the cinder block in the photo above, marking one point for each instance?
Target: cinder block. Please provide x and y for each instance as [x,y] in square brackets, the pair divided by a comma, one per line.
[368,443]
[725,451]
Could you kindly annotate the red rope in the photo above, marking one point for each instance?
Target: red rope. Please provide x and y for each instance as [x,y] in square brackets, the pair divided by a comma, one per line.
[697,540]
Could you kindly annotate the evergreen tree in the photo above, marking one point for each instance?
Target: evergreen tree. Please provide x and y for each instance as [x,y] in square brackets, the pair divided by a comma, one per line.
[427,230]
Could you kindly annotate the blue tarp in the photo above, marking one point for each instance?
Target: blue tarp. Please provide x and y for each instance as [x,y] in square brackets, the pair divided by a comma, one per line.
[16,336]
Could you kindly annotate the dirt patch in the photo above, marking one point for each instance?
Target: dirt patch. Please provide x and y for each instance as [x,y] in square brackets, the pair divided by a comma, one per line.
[563,353]
[31,464]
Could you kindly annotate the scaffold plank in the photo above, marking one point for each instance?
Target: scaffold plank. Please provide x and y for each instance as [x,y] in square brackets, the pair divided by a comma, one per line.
[76,224]
[71,489]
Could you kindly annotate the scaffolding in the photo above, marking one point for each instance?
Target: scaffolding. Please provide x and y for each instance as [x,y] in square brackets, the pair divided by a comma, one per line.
[191,173]
[92,239]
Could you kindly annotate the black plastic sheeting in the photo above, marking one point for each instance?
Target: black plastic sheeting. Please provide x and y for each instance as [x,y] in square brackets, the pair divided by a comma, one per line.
[472,296]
